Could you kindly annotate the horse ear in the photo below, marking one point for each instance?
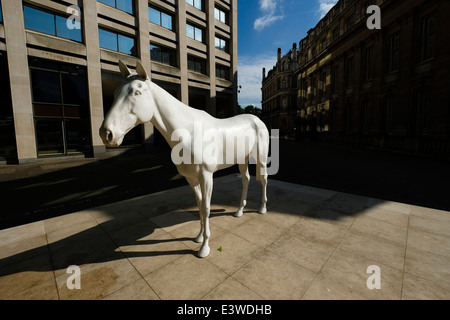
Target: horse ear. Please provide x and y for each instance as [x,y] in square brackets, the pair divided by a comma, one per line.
[141,71]
[124,71]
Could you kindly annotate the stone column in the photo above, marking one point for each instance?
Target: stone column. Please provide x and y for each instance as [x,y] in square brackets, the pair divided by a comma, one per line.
[144,54]
[211,44]
[22,106]
[234,51]
[183,95]
[94,73]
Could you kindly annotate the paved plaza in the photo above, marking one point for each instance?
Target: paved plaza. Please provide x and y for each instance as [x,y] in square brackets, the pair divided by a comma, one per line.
[313,244]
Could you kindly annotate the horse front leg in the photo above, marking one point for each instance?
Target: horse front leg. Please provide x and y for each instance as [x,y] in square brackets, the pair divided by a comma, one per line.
[206,186]
[198,198]
[243,169]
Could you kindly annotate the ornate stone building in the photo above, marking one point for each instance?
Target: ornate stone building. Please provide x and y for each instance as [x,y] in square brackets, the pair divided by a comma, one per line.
[59,72]
[384,88]
[279,94]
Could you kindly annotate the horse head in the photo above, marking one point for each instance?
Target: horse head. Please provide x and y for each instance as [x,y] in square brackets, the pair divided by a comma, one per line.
[130,106]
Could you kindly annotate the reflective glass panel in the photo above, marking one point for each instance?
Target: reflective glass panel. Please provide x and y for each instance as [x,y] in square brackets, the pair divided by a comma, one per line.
[39,20]
[63,31]
[108,40]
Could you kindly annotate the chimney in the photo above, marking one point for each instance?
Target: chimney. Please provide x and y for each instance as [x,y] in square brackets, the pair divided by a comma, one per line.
[264,73]
[294,51]
[279,55]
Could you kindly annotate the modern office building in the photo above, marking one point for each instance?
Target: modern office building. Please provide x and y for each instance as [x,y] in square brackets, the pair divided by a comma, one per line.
[384,88]
[59,67]
[279,94]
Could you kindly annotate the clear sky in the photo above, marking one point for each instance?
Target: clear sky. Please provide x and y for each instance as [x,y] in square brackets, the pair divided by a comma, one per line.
[263,27]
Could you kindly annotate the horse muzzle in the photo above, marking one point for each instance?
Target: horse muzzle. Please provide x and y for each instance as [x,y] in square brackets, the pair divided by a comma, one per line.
[109,138]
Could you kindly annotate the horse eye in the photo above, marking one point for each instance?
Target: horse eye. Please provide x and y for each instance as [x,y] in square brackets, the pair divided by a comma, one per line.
[137,93]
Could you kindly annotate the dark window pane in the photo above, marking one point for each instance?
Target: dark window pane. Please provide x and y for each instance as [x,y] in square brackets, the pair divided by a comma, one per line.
[108,40]
[77,135]
[49,136]
[154,16]
[74,89]
[1,14]
[72,111]
[43,64]
[64,32]
[46,86]
[155,53]
[125,5]
[39,20]
[50,111]
[127,45]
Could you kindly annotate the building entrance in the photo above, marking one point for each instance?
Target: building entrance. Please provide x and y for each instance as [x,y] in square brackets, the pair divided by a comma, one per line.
[60,106]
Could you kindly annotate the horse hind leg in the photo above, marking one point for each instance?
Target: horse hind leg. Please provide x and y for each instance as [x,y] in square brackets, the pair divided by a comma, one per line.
[243,169]
[263,209]
[261,172]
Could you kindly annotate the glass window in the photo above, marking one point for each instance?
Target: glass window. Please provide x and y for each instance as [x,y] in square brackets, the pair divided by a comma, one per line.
[77,135]
[117,42]
[39,21]
[49,136]
[108,40]
[166,21]
[45,86]
[194,32]
[221,44]
[220,15]
[160,18]
[222,72]
[368,71]
[124,5]
[154,16]
[196,64]
[163,55]
[60,105]
[74,88]
[127,45]
[64,32]
[394,51]
[190,31]
[195,3]
[1,14]
[427,35]
[50,23]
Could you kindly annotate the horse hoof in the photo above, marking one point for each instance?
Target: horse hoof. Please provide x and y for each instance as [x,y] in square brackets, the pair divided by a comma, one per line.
[239,213]
[263,210]
[204,252]
[199,239]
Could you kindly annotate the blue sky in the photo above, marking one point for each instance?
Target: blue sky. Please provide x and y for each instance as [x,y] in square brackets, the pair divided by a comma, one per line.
[263,27]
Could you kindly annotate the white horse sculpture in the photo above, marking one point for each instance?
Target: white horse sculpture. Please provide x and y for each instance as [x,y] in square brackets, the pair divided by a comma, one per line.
[138,100]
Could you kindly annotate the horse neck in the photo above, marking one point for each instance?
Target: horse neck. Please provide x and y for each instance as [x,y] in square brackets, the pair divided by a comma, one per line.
[169,113]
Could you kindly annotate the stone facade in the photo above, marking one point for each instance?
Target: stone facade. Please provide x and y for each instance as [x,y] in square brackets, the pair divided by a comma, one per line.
[382,88]
[279,94]
[198,67]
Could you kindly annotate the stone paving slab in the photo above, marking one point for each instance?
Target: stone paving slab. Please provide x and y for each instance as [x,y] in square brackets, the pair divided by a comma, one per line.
[313,244]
